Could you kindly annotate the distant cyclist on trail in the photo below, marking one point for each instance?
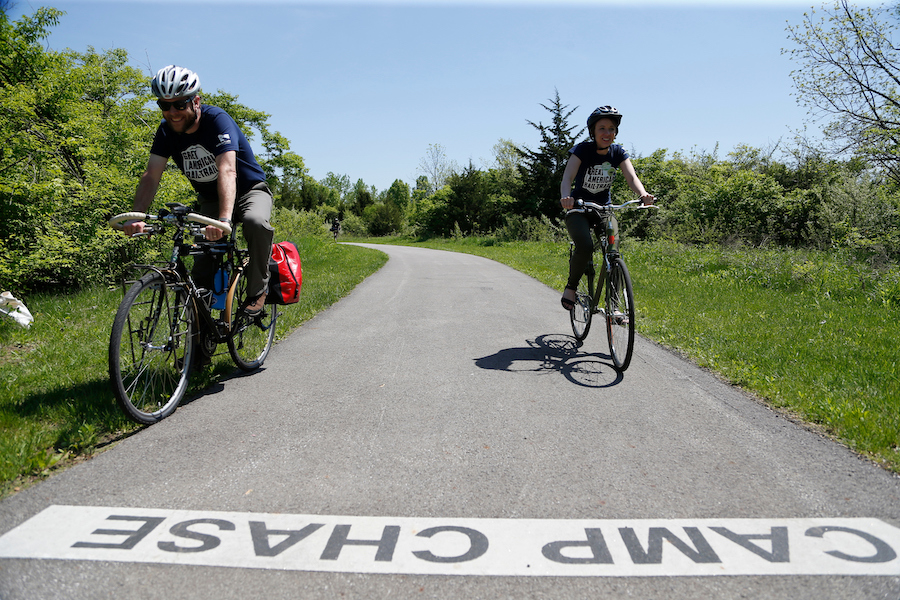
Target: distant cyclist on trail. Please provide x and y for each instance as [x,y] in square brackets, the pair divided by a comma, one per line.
[215,156]
[335,228]
[588,177]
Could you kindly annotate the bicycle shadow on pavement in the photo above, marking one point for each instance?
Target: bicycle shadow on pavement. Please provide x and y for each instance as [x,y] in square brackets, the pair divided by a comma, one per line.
[211,380]
[555,353]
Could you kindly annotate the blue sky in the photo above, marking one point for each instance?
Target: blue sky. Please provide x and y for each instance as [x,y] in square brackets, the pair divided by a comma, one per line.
[362,88]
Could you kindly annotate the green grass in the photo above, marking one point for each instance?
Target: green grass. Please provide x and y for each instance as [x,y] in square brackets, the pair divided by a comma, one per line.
[56,404]
[806,331]
[814,334]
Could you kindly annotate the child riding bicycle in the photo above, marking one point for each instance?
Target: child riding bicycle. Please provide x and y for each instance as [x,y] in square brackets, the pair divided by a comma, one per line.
[589,175]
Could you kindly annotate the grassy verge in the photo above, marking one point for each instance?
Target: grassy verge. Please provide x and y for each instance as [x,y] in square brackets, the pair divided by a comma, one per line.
[56,405]
[812,333]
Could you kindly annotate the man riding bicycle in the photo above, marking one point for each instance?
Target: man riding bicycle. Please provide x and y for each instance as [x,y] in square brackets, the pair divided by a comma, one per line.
[215,156]
[589,175]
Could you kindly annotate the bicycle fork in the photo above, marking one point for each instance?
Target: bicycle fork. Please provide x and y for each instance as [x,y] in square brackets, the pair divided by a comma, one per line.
[606,282]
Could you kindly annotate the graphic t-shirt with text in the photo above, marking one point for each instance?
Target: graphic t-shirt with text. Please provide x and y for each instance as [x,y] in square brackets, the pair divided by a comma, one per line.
[195,153]
[597,172]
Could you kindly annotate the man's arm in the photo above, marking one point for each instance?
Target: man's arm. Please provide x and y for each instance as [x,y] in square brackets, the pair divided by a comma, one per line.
[146,191]
[227,190]
[227,183]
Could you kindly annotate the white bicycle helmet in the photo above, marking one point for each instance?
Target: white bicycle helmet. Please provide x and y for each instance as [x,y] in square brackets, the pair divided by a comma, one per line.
[175,82]
[603,112]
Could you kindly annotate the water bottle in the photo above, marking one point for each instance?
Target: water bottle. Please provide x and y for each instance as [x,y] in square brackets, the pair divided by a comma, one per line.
[220,287]
[612,234]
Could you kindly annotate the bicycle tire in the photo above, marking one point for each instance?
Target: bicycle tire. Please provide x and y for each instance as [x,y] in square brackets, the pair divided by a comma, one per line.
[620,317]
[249,338]
[582,313]
[151,348]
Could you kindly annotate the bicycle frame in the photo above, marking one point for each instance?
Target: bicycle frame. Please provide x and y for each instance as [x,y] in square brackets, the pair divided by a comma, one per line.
[165,317]
[613,288]
[176,274]
[604,243]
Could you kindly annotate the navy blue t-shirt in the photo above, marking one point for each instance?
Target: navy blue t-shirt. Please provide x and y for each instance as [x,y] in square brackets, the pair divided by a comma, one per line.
[195,153]
[597,171]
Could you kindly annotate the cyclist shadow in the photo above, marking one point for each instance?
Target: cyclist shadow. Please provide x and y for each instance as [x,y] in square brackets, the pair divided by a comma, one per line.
[555,353]
[211,380]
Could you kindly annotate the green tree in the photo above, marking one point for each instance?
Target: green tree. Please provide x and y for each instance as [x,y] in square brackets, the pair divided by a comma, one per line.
[388,214]
[359,198]
[504,175]
[73,133]
[849,71]
[431,215]
[398,194]
[383,218]
[541,170]
[506,155]
[466,203]
[287,184]
[314,194]
[338,183]
[421,190]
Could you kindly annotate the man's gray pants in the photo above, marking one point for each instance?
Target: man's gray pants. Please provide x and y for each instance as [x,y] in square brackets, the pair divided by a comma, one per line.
[253,211]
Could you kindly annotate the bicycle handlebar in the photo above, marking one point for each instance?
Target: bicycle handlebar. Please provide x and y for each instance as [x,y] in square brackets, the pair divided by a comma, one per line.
[117,222]
[581,206]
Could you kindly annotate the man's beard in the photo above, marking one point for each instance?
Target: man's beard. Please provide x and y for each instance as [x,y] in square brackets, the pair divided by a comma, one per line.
[187,123]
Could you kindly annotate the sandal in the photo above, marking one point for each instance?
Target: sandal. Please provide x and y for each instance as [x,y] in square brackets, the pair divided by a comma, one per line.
[568,303]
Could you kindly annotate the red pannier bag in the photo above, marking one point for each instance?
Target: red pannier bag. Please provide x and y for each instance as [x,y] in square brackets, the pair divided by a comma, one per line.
[285,274]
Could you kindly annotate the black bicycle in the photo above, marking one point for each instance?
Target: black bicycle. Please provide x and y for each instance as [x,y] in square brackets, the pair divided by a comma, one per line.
[166,324]
[612,297]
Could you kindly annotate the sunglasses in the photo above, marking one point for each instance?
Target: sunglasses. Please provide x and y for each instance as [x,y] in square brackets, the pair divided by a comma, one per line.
[177,104]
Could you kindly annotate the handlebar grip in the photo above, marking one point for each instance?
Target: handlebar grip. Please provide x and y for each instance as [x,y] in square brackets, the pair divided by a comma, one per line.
[198,218]
[117,221]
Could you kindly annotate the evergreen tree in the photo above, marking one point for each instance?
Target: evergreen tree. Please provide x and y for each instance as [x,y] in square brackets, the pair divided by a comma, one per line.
[541,170]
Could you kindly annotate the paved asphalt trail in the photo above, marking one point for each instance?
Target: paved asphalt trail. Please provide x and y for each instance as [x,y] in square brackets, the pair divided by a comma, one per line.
[449,386]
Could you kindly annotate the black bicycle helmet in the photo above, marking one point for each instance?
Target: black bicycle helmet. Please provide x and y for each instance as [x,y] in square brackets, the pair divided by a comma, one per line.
[603,112]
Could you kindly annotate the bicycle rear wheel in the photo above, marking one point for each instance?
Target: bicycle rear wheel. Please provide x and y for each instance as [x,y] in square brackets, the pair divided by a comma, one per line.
[581,313]
[250,338]
[150,349]
[620,314]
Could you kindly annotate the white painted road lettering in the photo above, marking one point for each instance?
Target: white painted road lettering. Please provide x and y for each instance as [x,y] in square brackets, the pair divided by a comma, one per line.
[507,547]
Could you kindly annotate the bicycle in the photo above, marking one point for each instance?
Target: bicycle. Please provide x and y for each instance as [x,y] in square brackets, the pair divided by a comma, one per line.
[165,318]
[614,290]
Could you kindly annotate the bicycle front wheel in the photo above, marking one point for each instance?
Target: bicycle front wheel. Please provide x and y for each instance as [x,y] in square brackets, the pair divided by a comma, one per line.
[150,349]
[620,314]
[581,313]
[250,338]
